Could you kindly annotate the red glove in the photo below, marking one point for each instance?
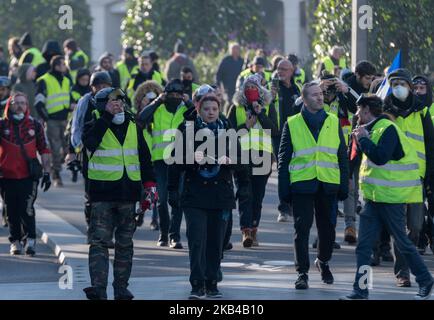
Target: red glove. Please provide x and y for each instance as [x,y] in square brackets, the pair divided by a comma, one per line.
[150,196]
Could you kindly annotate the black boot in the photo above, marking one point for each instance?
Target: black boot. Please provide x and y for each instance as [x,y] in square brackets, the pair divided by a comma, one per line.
[95,293]
[123,294]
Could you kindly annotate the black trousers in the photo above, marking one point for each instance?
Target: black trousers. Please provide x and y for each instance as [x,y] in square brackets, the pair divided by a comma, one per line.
[251,210]
[19,198]
[305,206]
[205,233]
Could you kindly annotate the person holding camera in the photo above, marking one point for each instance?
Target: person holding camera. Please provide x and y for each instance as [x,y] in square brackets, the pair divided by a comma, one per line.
[251,112]
[21,138]
[207,196]
[118,170]
[390,180]
[334,103]
[165,114]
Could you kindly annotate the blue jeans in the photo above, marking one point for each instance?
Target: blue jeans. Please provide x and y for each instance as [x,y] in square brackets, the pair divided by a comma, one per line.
[415,217]
[393,216]
[170,226]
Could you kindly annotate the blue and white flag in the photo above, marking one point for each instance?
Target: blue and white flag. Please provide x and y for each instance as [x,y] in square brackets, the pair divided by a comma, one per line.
[385,89]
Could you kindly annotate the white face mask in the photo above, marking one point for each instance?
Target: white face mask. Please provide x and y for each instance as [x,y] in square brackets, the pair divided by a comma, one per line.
[119,118]
[401,92]
[19,116]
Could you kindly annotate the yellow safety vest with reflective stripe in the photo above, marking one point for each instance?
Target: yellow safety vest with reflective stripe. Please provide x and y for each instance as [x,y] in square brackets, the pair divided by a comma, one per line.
[277,104]
[38,58]
[333,108]
[249,72]
[413,128]
[125,74]
[257,139]
[300,79]
[58,97]
[396,181]
[156,76]
[330,66]
[314,159]
[431,110]
[111,159]
[165,127]
[76,55]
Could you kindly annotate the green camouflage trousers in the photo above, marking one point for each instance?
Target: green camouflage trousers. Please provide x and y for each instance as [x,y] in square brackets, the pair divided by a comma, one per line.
[105,218]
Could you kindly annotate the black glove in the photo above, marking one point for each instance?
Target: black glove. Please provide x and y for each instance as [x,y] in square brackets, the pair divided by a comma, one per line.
[46,181]
[139,217]
[173,199]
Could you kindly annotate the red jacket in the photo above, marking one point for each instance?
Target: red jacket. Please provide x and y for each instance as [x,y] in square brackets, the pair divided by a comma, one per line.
[13,165]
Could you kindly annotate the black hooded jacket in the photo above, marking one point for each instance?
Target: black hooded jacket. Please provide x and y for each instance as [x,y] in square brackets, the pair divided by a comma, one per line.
[50,49]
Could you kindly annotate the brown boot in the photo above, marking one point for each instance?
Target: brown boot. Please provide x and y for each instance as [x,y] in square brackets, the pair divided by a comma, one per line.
[247,238]
[255,242]
[57,180]
[350,235]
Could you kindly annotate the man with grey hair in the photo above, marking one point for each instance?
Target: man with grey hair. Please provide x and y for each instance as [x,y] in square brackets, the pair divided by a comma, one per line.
[229,69]
[313,175]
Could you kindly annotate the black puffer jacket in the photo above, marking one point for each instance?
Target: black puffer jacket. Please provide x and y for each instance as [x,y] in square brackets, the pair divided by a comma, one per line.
[215,192]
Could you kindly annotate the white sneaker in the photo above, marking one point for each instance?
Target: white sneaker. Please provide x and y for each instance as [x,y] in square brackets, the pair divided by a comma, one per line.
[15,248]
[283,218]
[30,247]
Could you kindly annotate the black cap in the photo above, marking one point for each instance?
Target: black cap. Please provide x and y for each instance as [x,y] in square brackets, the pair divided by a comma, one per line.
[401,74]
[101,77]
[259,60]
[26,40]
[174,86]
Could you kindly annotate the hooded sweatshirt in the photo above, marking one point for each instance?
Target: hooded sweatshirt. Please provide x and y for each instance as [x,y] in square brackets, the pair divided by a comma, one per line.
[12,161]
[50,49]
[27,87]
[77,88]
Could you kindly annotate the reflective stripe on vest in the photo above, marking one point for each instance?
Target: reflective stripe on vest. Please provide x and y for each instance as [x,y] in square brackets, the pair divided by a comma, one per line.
[396,181]
[125,74]
[58,97]
[413,128]
[330,66]
[111,159]
[38,58]
[257,139]
[314,159]
[164,131]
